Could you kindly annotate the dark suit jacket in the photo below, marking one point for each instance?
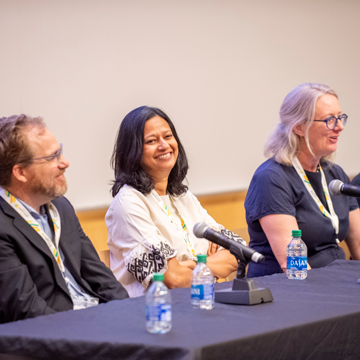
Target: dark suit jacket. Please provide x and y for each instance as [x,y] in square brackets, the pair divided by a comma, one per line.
[31,283]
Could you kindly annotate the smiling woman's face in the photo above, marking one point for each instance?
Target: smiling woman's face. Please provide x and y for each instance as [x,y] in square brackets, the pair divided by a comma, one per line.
[323,141]
[160,148]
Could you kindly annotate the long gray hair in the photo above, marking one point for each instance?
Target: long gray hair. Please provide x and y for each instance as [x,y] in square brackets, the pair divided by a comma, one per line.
[298,107]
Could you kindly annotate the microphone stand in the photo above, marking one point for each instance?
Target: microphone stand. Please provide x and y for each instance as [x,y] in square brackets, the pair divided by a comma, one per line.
[244,291]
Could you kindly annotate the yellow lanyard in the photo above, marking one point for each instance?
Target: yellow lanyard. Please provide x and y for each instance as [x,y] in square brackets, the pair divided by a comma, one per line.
[183,230]
[24,213]
[332,215]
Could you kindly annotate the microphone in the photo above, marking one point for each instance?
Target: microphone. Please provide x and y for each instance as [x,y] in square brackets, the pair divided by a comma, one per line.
[337,187]
[201,230]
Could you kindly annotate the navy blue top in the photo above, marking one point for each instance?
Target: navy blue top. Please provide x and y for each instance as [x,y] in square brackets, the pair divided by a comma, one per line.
[277,189]
[356,181]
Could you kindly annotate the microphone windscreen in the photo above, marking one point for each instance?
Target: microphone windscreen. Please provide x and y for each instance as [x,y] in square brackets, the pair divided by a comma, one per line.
[199,229]
[335,187]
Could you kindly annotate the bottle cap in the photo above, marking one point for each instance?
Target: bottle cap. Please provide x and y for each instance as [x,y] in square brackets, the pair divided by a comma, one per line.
[201,258]
[158,277]
[296,233]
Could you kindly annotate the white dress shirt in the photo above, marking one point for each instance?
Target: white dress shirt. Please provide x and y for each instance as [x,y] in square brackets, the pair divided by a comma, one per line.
[142,237]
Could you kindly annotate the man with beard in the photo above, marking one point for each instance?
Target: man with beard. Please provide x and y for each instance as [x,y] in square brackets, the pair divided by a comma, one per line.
[47,263]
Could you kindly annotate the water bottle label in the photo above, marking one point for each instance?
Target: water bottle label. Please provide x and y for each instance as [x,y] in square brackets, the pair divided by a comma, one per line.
[296,263]
[159,312]
[202,292]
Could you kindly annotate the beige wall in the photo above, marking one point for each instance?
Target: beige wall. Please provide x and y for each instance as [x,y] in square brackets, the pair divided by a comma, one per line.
[219,68]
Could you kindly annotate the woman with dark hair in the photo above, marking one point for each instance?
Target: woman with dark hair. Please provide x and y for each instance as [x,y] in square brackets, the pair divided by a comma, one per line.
[151,217]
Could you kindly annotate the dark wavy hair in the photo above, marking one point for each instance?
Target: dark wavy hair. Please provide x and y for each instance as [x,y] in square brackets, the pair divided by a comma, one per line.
[128,151]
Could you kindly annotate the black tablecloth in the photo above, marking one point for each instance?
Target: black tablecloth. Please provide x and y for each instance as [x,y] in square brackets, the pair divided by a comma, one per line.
[317,318]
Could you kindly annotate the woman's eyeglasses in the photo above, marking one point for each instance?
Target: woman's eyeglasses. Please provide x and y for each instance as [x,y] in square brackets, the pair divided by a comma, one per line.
[331,121]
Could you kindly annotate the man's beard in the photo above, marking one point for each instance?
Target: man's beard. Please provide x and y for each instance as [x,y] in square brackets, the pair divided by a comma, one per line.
[48,189]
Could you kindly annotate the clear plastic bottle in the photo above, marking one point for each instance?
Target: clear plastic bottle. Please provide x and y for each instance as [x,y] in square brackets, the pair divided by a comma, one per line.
[202,285]
[296,253]
[158,306]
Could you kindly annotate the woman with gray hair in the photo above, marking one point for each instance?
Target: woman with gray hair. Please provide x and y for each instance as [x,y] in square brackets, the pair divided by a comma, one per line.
[289,191]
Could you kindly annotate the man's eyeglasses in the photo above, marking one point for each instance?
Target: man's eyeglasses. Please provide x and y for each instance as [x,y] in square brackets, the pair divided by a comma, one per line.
[52,157]
[331,121]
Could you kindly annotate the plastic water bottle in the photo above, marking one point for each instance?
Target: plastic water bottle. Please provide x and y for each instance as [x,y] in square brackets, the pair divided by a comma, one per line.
[158,306]
[296,252]
[202,285]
